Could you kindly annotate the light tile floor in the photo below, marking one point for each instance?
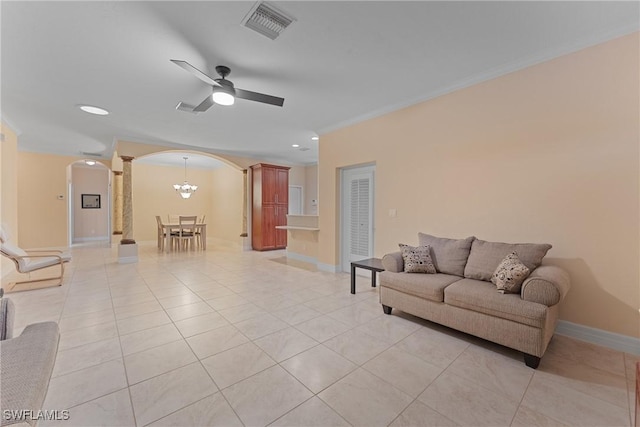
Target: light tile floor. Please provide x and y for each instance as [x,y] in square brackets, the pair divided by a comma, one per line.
[230,338]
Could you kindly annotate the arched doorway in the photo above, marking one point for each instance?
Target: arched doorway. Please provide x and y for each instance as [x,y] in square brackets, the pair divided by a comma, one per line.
[89,196]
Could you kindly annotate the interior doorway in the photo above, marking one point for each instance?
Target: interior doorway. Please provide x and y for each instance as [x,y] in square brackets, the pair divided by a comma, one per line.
[356,212]
[89,197]
[295,200]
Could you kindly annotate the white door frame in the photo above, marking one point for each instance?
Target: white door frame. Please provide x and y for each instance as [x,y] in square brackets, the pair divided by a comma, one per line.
[345,174]
[71,203]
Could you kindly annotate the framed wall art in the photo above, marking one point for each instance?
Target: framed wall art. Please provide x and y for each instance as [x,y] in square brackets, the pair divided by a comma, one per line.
[90,201]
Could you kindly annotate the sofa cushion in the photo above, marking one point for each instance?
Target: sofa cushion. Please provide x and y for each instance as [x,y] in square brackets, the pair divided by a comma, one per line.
[7,311]
[510,274]
[482,297]
[428,286]
[417,259]
[486,256]
[449,255]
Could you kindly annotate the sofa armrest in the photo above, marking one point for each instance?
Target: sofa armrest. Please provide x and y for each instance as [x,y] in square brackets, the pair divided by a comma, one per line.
[27,365]
[393,262]
[546,285]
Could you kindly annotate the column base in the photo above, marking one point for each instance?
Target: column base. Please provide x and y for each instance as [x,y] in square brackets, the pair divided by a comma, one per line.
[128,254]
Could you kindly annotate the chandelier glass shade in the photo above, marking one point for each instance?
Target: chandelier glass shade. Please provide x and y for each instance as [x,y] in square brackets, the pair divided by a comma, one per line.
[185,189]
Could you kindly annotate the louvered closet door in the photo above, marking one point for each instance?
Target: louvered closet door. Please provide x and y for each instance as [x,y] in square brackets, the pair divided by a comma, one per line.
[357,218]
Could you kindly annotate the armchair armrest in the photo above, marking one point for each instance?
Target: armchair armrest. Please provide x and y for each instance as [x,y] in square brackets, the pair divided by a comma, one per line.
[546,285]
[29,255]
[393,262]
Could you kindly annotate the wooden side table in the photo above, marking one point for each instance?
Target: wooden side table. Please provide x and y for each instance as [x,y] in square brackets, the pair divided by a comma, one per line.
[372,264]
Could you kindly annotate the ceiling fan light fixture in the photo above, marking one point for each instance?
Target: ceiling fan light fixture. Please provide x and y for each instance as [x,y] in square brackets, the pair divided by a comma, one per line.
[223,95]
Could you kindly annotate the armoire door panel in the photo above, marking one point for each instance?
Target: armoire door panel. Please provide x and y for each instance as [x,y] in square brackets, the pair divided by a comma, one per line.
[269,185]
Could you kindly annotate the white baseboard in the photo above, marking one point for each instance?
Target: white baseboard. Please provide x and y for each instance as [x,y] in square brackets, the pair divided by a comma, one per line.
[303,258]
[600,337]
[329,268]
[90,239]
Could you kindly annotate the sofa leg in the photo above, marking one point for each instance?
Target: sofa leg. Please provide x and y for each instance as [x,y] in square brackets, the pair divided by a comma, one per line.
[531,361]
[386,309]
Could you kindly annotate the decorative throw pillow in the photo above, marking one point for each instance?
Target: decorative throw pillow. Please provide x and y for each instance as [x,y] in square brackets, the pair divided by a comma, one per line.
[510,274]
[417,259]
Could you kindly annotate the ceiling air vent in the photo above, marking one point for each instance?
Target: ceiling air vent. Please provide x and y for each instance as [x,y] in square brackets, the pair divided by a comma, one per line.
[267,20]
[85,153]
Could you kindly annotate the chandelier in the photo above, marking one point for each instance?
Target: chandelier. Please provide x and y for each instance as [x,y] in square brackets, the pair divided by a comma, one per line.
[185,189]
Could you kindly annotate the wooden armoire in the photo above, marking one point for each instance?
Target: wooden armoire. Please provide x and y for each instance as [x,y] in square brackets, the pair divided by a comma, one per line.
[270,204]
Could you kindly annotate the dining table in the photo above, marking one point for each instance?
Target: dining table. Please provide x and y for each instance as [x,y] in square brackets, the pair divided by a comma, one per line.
[173,226]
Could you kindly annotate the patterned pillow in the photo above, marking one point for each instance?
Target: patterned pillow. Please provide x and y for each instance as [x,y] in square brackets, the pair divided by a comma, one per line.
[510,274]
[417,259]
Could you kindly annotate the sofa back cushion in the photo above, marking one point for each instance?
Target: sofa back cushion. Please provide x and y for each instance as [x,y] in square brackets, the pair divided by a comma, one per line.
[486,256]
[449,256]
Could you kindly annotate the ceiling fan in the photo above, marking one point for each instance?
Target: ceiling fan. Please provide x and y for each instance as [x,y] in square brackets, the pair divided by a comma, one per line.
[224,93]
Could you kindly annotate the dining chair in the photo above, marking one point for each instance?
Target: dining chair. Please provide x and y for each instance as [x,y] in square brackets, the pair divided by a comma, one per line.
[199,233]
[161,233]
[186,232]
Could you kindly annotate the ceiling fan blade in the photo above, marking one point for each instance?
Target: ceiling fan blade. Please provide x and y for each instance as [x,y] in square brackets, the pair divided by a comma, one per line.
[204,105]
[193,70]
[183,106]
[259,97]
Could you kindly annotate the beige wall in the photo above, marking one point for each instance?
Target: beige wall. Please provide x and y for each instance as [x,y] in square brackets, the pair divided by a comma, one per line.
[226,218]
[90,224]
[9,180]
[311,190]
[302,244]
[43,217]
[546,154]
[153,194]
[9,189]
[297,176]
[307,178]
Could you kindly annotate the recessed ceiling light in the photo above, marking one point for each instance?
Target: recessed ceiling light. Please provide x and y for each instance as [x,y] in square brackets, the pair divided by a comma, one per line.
[93,110]
[296,145]
[90,162]
[314,138]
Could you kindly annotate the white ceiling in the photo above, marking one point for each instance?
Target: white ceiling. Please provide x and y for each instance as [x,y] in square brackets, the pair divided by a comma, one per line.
[340,62]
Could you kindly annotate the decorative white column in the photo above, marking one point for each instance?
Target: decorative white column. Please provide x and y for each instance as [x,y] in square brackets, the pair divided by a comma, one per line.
[128,249]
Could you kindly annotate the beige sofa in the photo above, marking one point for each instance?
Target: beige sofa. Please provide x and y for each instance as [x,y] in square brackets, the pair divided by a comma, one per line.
[461,296]
[26,364]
